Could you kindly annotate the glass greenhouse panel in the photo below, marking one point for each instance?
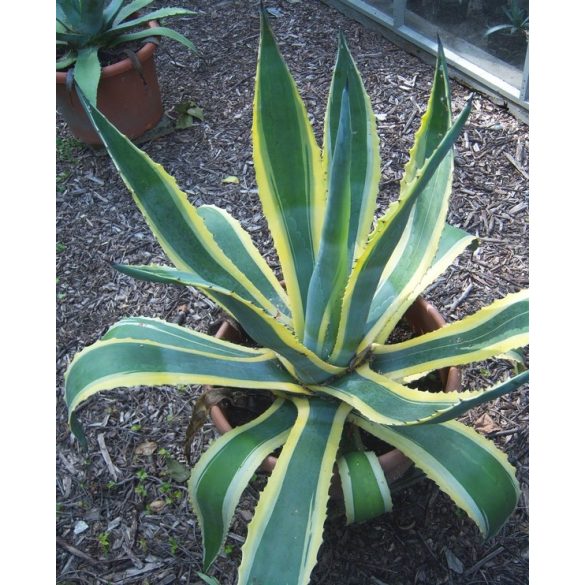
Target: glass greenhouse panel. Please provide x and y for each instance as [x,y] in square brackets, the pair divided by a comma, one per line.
[485,39]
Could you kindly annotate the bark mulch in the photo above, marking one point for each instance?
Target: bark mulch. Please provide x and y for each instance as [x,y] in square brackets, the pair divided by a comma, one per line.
[121,517]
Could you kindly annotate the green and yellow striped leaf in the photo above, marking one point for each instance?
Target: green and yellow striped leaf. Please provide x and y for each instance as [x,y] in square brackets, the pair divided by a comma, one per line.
[288,172]
[364,169]
[238,246]
[334,258]
[365,490]
[420,240]
[385,401]
[466,466]
[473,399]
[306,366]
[295,499]
[434,123]
[146,353]
[176,223]
[223,471]
[452,243]
[493,330]
[166,333]
[420,237]
[370,266]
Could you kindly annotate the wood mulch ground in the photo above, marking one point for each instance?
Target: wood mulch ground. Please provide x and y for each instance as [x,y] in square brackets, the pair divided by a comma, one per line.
[120,517]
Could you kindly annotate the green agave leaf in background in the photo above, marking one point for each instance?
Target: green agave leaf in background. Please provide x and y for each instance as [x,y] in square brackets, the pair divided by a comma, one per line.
[323,349]
[87,26]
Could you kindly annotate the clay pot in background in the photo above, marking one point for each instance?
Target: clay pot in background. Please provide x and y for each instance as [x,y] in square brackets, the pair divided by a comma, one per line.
[129,98]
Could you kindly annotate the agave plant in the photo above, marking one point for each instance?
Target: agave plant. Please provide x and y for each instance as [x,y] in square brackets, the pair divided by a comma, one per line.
[322,342]
[84,27]
[518,20]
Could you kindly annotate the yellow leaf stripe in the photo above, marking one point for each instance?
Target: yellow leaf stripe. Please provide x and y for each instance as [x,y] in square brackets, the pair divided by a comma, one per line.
[491,331]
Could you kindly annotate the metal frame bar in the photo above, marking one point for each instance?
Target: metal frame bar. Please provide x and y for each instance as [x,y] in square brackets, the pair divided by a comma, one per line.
[396,24]
[524,87]
[398,12]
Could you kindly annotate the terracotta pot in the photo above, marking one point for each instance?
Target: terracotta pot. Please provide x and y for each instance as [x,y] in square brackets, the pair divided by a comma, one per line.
[131,101]
[422,317]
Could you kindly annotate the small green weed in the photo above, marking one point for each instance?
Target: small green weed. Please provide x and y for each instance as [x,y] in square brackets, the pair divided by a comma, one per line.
[104,542]
[60,247]
[174,545]
[140,489]
[209,580]
[62,178]
[67,148]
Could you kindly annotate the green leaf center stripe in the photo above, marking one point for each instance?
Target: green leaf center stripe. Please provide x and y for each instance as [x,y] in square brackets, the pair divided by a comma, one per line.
[421,238]
[260,326]
[174,221]
[365,490]
[333,260]
[465,465]
[366,273]
[117,362]
[393,261]
[417,249]
[434,123]
[288,171]
[175,335]
[452,243]
[491,331]
[473,399]
[223,471]
[364,169]
[385,401]
[295,497]
[237,244]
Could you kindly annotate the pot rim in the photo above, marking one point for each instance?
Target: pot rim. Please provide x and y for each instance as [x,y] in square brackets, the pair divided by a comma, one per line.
[144,53]
[393,462]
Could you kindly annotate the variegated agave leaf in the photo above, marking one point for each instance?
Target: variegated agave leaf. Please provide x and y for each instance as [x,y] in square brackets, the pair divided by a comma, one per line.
[322,343]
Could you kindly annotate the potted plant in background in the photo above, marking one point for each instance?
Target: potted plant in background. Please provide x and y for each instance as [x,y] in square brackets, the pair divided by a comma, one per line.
[508,40]
[320,344]
[108,51]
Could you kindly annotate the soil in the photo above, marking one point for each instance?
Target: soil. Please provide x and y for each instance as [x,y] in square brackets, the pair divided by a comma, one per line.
[121,518]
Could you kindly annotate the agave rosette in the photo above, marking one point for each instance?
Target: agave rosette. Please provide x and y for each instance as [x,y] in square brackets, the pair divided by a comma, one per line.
[322,341]
[84,27]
